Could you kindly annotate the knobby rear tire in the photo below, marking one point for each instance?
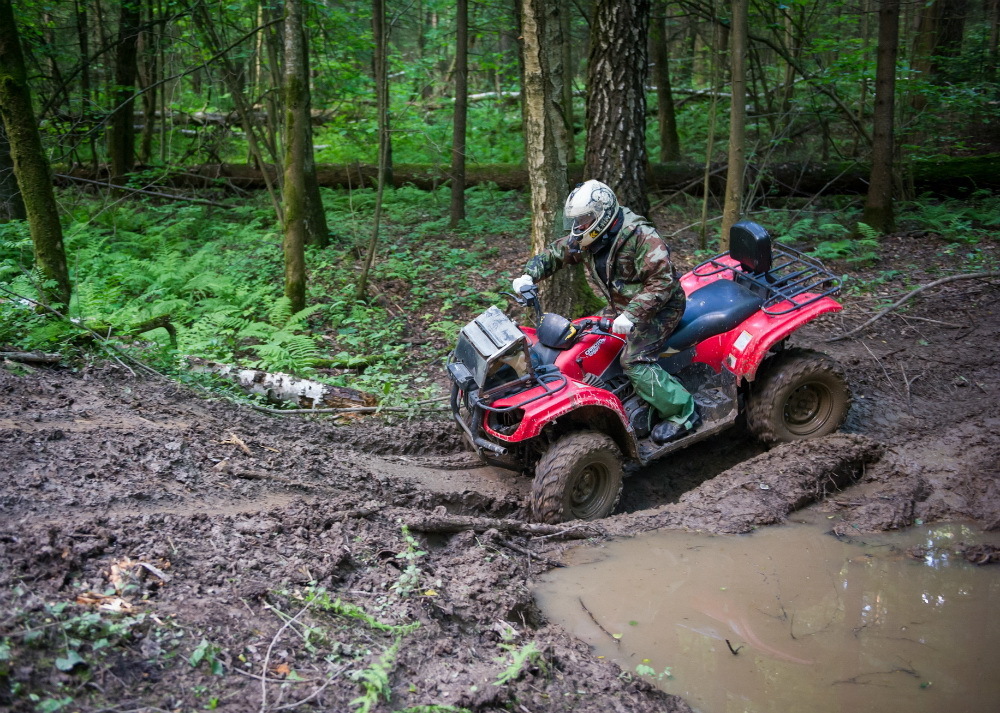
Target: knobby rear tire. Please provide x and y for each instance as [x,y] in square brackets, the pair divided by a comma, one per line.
[801,394]
[578,478]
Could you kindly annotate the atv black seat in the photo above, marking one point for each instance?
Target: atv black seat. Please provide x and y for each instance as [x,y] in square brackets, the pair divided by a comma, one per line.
[750,244]
[713,309]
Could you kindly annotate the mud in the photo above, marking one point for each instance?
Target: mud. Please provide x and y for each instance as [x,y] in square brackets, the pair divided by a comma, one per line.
[289,581]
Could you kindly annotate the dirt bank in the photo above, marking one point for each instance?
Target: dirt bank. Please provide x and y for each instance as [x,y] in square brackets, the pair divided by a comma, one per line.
[262,563]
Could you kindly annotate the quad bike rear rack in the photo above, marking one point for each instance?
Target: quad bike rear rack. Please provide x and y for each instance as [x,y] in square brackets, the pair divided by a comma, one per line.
[792,277]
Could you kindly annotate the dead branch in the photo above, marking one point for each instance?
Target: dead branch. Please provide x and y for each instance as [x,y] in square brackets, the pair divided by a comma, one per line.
[531,555]
[460,523]
[914,293]
[593,618]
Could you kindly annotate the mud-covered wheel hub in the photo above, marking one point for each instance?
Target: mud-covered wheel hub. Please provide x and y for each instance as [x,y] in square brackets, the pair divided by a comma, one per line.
[578,478]
[807,406]
[800,394]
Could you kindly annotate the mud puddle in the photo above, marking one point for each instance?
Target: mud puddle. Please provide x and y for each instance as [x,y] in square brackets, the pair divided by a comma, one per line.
[791,618]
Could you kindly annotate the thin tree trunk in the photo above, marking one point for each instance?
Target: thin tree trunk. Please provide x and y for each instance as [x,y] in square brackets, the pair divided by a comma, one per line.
[380,33]
[148,79]
[30,164]
[382,99]
[616,100]
[294,187]
[670,144]
[737,122]
[83,34]
[878,210]
[461,112]
[317,232]
[11,203]
[122,136]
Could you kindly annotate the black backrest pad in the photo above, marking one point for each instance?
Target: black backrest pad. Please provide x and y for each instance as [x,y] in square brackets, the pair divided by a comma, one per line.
[751,245]
[713,309]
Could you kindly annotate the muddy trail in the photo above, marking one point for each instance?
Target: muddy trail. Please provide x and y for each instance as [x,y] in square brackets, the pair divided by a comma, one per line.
[162,550]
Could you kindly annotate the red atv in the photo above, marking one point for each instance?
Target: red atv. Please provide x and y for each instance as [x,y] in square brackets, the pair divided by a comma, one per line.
[555,400]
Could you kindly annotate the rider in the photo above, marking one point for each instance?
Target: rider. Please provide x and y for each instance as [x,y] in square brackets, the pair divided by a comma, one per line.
[631,262]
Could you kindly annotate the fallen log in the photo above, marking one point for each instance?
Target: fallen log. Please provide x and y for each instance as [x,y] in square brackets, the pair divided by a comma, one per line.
[460,523]
[284,388]
[31,357]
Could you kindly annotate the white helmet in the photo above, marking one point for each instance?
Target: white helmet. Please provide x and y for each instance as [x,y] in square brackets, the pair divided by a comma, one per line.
[590,209]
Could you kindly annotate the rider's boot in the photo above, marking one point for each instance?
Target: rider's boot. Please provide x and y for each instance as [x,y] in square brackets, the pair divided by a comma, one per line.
[666,430]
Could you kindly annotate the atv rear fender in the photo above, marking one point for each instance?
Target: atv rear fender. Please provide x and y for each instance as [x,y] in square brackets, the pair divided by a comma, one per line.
[743,349]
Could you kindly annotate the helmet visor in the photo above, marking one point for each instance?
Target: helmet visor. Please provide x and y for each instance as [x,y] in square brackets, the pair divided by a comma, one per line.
[579,225]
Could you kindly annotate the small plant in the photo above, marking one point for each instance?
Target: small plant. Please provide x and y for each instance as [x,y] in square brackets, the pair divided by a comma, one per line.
[207,652]
[519,658]
[374,680]
[409,578]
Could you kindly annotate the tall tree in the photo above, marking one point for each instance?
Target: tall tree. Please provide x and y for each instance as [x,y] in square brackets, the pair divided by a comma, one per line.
[461,112]
[31,167]
[122,135]
[297,150]
[381,62]
[616,99]
[670,144]
[878,210]
[545,143]
[737,121]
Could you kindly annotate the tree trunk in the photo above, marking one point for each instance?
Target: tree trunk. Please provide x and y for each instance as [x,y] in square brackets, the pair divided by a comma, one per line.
[737,123]
[30,164]
[461,113]
[878,211]
[616,100]
[569,118]
[317,231]
[122,136]
[148,72]
[296,148]
[670,144]
[11,203]
[382,98]
[380,60]
[545,146]
[83,33]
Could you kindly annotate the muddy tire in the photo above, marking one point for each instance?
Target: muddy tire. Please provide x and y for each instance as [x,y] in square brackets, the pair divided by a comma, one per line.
[578,478]
[803,394]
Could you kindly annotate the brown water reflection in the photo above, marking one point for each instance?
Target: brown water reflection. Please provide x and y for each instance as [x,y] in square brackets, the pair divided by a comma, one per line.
[818,624]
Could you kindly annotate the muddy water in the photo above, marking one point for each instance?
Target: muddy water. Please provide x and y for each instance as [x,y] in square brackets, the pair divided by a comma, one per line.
[792,619]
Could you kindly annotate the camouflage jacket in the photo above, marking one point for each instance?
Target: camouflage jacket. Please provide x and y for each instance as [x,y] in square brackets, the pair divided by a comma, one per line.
[640,280]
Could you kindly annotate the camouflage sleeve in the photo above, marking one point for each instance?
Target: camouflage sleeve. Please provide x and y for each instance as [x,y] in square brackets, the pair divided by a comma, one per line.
[656,272]
[556,256]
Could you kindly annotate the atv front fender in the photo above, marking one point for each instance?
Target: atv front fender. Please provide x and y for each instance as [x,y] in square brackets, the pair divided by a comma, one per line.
[577,400]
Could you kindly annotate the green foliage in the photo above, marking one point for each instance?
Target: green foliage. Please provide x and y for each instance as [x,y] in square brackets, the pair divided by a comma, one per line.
[518,659]
[409,578]
[207,652]
[966,221]
[374,680]
[79,642]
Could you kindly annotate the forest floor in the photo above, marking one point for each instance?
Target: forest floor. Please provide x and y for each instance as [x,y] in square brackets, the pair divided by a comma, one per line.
[261,563]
